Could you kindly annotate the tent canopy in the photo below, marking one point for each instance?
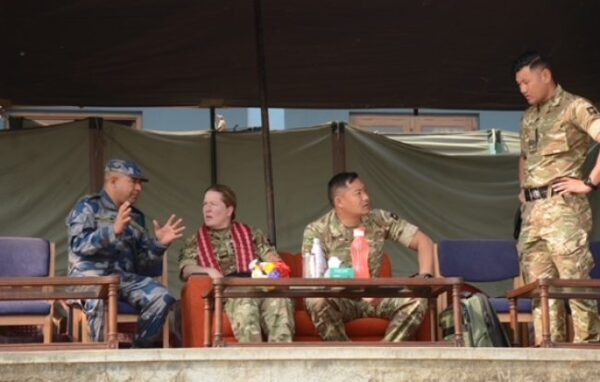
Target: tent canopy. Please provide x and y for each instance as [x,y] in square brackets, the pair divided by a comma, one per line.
[318,53]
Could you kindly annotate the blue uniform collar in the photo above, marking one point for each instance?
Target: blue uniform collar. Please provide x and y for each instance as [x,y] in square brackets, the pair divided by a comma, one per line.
[107,201]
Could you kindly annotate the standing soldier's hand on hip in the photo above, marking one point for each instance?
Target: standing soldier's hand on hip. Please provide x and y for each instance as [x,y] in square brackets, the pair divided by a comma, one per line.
[571,186]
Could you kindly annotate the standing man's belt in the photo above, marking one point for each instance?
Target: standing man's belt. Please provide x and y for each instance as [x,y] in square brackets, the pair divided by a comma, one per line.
[537,193]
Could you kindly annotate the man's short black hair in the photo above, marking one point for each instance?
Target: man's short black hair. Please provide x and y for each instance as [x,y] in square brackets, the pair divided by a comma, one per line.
[338,181]
[531,59]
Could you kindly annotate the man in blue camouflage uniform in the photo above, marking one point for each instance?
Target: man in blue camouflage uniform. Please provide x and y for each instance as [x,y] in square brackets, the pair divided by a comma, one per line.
[107,236]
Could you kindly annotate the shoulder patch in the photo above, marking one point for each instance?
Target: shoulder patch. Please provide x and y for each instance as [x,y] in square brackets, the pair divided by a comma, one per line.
[88,198]
[89,201]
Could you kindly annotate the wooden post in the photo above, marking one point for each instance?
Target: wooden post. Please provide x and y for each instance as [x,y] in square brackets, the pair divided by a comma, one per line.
[218,329]
[96,155]
[213,148]
[514,324]
[113,292]
[458,333]
[544,295]
[264,112]
[338,146]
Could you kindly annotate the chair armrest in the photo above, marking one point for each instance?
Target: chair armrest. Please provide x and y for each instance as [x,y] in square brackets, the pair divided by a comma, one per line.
[192,309]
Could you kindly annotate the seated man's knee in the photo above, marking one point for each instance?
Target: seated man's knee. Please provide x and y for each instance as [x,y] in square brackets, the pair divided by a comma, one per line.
[158,296]
[168,299]
[315,303]
[421,305]
[277,304]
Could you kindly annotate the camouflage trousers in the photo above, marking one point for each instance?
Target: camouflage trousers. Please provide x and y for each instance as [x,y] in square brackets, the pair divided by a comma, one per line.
[250,317]
[330,314]
[554,242]
[149,296]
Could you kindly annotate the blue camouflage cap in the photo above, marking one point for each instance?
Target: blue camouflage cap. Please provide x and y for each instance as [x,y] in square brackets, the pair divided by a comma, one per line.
[125,167]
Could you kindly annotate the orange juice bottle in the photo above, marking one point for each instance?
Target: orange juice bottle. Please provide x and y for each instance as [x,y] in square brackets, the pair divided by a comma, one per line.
[359,250]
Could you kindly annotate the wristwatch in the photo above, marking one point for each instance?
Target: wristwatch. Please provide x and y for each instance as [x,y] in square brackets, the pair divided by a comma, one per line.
[588,182]
[424,276]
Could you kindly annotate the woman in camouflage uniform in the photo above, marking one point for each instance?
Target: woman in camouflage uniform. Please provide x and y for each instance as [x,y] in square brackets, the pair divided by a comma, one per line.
[224,247]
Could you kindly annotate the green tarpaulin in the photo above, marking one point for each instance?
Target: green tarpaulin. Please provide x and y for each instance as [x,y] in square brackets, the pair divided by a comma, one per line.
[44,171]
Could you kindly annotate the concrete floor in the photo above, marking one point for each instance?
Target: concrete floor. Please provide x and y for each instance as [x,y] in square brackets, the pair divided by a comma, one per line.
[295,364]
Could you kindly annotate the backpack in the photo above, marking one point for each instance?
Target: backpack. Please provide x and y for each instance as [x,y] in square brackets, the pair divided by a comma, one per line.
[480,324]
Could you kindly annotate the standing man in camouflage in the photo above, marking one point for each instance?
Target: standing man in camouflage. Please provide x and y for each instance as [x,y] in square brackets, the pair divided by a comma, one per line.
[107,236]
[225,247]
[352,209]
[556,134]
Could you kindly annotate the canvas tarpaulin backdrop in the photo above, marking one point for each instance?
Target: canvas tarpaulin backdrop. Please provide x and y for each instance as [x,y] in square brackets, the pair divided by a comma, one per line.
[44,171]
[481,142]
[448,197]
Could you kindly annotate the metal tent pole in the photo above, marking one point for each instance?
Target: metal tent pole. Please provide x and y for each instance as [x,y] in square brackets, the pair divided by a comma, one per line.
[213,148]
[264,112]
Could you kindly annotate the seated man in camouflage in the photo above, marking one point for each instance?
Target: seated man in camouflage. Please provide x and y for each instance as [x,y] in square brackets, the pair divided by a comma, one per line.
[352,209]
[224,247]
[107,236]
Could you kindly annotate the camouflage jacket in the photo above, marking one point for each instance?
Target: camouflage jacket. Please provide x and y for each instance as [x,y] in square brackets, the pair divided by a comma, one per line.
[94,249]
[336,238]
[224,248]
[555,138]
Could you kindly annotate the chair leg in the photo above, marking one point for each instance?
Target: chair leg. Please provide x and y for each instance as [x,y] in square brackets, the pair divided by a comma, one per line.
[166,330]
[47,331]
[85,330]
[524,329]
[80,328]
[75,333]
[166,337]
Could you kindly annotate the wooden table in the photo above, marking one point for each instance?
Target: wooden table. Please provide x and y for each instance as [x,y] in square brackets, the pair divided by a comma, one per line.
[65,288]
[233,287]
[547,288]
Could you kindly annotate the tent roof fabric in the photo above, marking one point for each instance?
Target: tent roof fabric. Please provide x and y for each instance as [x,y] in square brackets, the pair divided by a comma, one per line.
[318,53]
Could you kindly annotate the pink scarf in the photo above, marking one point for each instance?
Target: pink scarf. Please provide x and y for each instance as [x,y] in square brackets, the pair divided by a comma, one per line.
[242,240]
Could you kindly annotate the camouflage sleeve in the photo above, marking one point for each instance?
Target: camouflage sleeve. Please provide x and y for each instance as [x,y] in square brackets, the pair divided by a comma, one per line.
[310,233]
[264,250]
[586,116]
[523,139]
[85,238]
[188,254]
[397,229]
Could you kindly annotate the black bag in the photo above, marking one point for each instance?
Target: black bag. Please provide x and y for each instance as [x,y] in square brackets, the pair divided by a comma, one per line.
[517,224]
[481,327]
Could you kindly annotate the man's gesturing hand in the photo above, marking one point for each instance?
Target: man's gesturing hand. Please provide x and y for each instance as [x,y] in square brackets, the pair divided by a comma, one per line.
[123,218]
[171,231]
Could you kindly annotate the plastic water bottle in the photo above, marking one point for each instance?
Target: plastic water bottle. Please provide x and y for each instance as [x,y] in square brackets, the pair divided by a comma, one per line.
[320,261]
[359,251]
[308,265]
